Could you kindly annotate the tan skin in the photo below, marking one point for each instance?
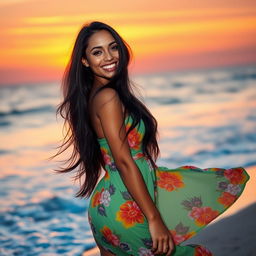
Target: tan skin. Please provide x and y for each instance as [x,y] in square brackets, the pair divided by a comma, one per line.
[102,57]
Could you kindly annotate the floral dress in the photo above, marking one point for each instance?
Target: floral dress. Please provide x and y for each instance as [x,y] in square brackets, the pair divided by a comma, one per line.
[188,198]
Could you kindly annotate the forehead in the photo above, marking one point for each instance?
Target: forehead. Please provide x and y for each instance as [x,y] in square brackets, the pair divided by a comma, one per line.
[100,38]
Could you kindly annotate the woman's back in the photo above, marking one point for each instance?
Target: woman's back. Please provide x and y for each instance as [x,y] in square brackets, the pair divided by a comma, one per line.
[95,102]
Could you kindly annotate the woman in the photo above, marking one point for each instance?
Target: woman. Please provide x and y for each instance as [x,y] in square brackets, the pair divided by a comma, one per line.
[137,208]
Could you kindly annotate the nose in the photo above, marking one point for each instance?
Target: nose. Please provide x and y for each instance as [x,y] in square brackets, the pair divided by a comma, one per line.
[108,56]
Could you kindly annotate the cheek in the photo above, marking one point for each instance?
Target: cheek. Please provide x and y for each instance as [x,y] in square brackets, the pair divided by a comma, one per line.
[117,55]
[94,62]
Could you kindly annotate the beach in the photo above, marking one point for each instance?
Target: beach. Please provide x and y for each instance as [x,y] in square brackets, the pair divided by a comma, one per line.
[211,123]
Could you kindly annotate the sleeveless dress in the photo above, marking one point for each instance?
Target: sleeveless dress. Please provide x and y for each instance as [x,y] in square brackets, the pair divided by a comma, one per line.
[188,198]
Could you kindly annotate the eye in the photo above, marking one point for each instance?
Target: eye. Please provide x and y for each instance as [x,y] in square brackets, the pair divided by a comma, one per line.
[114,47]
[96,53]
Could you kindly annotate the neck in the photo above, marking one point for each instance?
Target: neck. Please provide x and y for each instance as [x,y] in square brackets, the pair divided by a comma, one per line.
[99,82]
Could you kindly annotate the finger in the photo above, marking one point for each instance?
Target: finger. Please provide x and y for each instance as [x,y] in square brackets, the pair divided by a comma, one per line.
[154,245]
[169,252]
[159,247]
[165,245]
[171,247]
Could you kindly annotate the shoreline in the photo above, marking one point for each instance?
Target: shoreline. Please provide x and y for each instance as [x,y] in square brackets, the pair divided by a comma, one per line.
[92,252]
[245,202]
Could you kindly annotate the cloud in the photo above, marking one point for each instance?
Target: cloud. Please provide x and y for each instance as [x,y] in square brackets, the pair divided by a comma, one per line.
[10,2]
[149,16]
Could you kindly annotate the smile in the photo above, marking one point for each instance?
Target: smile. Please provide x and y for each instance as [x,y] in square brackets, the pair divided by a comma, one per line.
[110,67]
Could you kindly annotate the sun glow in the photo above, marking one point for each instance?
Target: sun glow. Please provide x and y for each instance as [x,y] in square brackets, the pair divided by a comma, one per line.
[46,41]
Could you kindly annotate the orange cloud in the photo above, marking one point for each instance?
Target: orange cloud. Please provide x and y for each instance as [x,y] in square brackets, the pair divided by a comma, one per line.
[46,41]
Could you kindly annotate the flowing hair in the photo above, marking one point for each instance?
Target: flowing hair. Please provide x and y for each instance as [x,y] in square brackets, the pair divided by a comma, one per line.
[77,82]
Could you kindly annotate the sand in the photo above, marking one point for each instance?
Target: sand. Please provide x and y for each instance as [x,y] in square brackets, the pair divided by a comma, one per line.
[233,232]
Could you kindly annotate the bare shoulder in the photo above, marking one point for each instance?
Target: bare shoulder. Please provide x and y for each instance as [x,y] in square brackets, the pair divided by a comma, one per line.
[107,95]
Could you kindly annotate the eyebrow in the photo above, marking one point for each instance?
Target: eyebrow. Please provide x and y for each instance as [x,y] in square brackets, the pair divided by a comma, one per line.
[96,47]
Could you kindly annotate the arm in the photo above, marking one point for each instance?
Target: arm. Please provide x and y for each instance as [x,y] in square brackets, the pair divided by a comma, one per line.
[109,111]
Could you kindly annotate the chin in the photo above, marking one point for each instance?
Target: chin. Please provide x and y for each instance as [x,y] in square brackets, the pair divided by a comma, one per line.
[110,76]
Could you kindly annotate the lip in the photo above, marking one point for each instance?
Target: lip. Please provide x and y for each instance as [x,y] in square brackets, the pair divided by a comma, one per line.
[110,69]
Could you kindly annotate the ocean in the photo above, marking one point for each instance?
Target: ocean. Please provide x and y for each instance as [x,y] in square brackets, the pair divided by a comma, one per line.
[206,118]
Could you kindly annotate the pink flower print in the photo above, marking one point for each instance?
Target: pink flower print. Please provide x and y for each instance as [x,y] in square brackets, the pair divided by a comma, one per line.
[203,215]
[181,233]
[235,175]
[189,167]
[233,189]
[110,236]
[145,252]
[179,238]
[106,156]
[202,251]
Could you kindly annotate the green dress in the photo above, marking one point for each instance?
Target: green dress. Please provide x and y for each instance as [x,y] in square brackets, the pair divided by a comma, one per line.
[187,197]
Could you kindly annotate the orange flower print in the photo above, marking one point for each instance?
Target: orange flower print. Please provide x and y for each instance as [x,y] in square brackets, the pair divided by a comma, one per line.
[106,176]
[169,181]
[202,251]
[134,137]
[235,176]
[179,238]
[138,155]
[203,215]
[213,169]
[106,156]
[129,214]
[96,198]
[189,167]
[226,199]
[109,236]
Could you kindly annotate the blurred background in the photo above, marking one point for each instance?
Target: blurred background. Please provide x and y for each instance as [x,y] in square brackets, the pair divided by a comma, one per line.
[194,63]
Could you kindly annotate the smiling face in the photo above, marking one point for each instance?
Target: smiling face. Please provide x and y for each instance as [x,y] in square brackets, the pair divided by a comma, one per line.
[102,56]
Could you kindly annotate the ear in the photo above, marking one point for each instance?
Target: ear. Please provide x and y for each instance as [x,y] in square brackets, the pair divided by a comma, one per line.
[85,62]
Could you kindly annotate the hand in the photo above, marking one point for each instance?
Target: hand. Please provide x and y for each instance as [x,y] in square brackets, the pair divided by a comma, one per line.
[161,237]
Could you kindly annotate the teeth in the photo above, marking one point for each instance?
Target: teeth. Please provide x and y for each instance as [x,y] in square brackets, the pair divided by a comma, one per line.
[110,66]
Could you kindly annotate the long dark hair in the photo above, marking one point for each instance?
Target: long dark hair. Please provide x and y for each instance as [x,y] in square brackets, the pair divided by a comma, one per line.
[76,84]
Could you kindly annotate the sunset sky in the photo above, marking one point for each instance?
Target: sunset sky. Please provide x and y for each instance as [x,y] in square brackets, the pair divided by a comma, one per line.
[37,35]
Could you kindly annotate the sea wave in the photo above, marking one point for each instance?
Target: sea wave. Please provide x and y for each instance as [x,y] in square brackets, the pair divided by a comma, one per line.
[42,225]
[206,118]
[18,112]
